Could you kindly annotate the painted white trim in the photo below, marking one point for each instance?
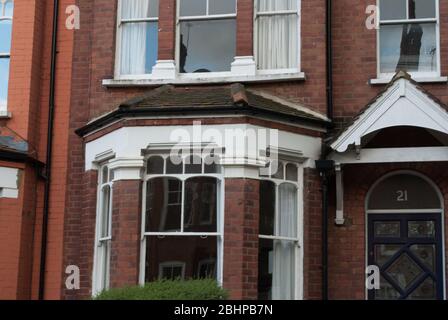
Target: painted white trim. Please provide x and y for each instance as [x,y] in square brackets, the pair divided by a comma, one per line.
[203,78]
[403,104]
[127,168]
[339,220]
[9,183]
[418,78]
[391,155]
[441,211]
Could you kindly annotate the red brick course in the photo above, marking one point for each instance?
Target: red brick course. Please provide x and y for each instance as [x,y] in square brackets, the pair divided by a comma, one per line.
[241,238]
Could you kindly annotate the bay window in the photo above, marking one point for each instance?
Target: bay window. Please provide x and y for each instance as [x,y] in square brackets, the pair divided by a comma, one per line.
[279,236]
[137,37]
[409,37]
[181,227]
[6,14]
[277,34]
[103,231]
[206,35]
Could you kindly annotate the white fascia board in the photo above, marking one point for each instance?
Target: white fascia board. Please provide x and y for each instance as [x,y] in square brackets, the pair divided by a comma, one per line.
[391,155]
[128,142]
[401,105]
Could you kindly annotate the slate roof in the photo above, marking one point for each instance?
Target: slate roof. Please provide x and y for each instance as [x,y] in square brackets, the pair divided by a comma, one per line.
[230,98]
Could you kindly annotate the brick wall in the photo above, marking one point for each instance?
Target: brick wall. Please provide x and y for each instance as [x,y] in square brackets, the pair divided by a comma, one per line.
[126,226]
[312,250]
[241,238]
[347,244]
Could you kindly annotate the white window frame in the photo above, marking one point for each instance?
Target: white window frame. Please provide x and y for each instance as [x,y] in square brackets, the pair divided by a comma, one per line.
[5,55]
[219,234]
[206,17]
[298,285]
[423,75]
[119,36]
[299,42]
[171,264]
[101,273]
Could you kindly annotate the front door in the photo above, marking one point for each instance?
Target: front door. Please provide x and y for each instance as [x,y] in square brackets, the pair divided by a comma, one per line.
[408,250]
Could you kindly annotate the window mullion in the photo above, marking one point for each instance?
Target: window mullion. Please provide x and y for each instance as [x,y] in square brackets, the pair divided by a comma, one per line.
[182,211]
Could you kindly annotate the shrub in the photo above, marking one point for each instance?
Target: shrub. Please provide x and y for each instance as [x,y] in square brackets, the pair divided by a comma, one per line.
[204,289]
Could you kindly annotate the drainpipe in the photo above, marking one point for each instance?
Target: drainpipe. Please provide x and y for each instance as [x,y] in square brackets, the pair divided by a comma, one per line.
[329,60]
[325,168]
[48,162]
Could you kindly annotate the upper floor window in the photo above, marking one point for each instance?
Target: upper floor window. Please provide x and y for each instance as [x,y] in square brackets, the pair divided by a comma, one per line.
[6,13]
[137,36]
[409,37]
[207,35]
[277,34]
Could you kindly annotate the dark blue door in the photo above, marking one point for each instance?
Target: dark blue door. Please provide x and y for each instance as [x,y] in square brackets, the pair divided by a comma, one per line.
[408,250]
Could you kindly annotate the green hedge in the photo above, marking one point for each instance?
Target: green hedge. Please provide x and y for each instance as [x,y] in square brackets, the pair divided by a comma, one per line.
[204,289]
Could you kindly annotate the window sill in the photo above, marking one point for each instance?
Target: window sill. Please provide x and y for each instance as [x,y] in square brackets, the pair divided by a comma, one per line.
[435,79]
[5,114]
[204,79]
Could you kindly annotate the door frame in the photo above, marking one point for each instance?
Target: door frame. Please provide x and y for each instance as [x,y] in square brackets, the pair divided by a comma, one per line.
[440,211]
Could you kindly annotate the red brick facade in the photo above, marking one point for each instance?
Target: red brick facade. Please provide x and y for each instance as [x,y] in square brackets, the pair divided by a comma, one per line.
[86,57]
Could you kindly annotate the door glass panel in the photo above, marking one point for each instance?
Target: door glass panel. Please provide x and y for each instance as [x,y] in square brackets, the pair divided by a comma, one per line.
[427,290]
[386,291]
[383,252]
[404,271]
[421,229]
[426,253]
[387,228]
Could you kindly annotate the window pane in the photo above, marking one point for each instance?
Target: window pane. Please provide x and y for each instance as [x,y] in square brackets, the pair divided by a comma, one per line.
[174,165]
[276,269]
[9,7]
[163,205]
[276,5]
[426,253]
[277,42]
[132,9]
[5,36]
[155,165]
[4,77]
[410,47]
[222,6]
[193,164]
[105,175]
[139,46]
[386,229]
[105,212]
[291,172]
[420,9]
[383,253]
[267,208]
[392,9]
[421,229]
[287,210]
[211,164]
[198,255]
[207,46]
[193,8]
[426,291]
[200,205]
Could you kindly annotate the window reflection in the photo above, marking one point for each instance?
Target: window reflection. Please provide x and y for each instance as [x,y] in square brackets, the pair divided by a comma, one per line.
[198,255]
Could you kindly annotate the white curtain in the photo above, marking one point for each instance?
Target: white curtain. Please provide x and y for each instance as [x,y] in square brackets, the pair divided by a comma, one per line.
[133,38]
[283,278]
[278,36]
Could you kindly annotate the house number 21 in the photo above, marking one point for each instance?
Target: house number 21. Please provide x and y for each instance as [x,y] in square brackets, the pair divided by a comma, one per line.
[402,195]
